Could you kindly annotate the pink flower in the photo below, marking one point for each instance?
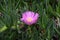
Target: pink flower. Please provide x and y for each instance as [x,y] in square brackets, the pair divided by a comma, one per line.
[29,17]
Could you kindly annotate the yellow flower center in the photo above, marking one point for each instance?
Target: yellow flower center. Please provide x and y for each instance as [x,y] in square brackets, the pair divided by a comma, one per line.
[29,19]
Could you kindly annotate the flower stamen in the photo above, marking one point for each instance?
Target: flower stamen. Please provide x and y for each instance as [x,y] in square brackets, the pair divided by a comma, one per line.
[29,19]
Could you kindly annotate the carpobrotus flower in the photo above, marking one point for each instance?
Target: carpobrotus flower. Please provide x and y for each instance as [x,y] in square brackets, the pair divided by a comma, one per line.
[29,17]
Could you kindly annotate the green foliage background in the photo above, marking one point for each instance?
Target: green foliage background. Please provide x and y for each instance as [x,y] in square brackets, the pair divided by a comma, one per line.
[47,27]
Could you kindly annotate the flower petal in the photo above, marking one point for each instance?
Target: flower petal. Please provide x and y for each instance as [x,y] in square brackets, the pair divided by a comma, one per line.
[30,14]
[36,16]
[24,15]
[22,19]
